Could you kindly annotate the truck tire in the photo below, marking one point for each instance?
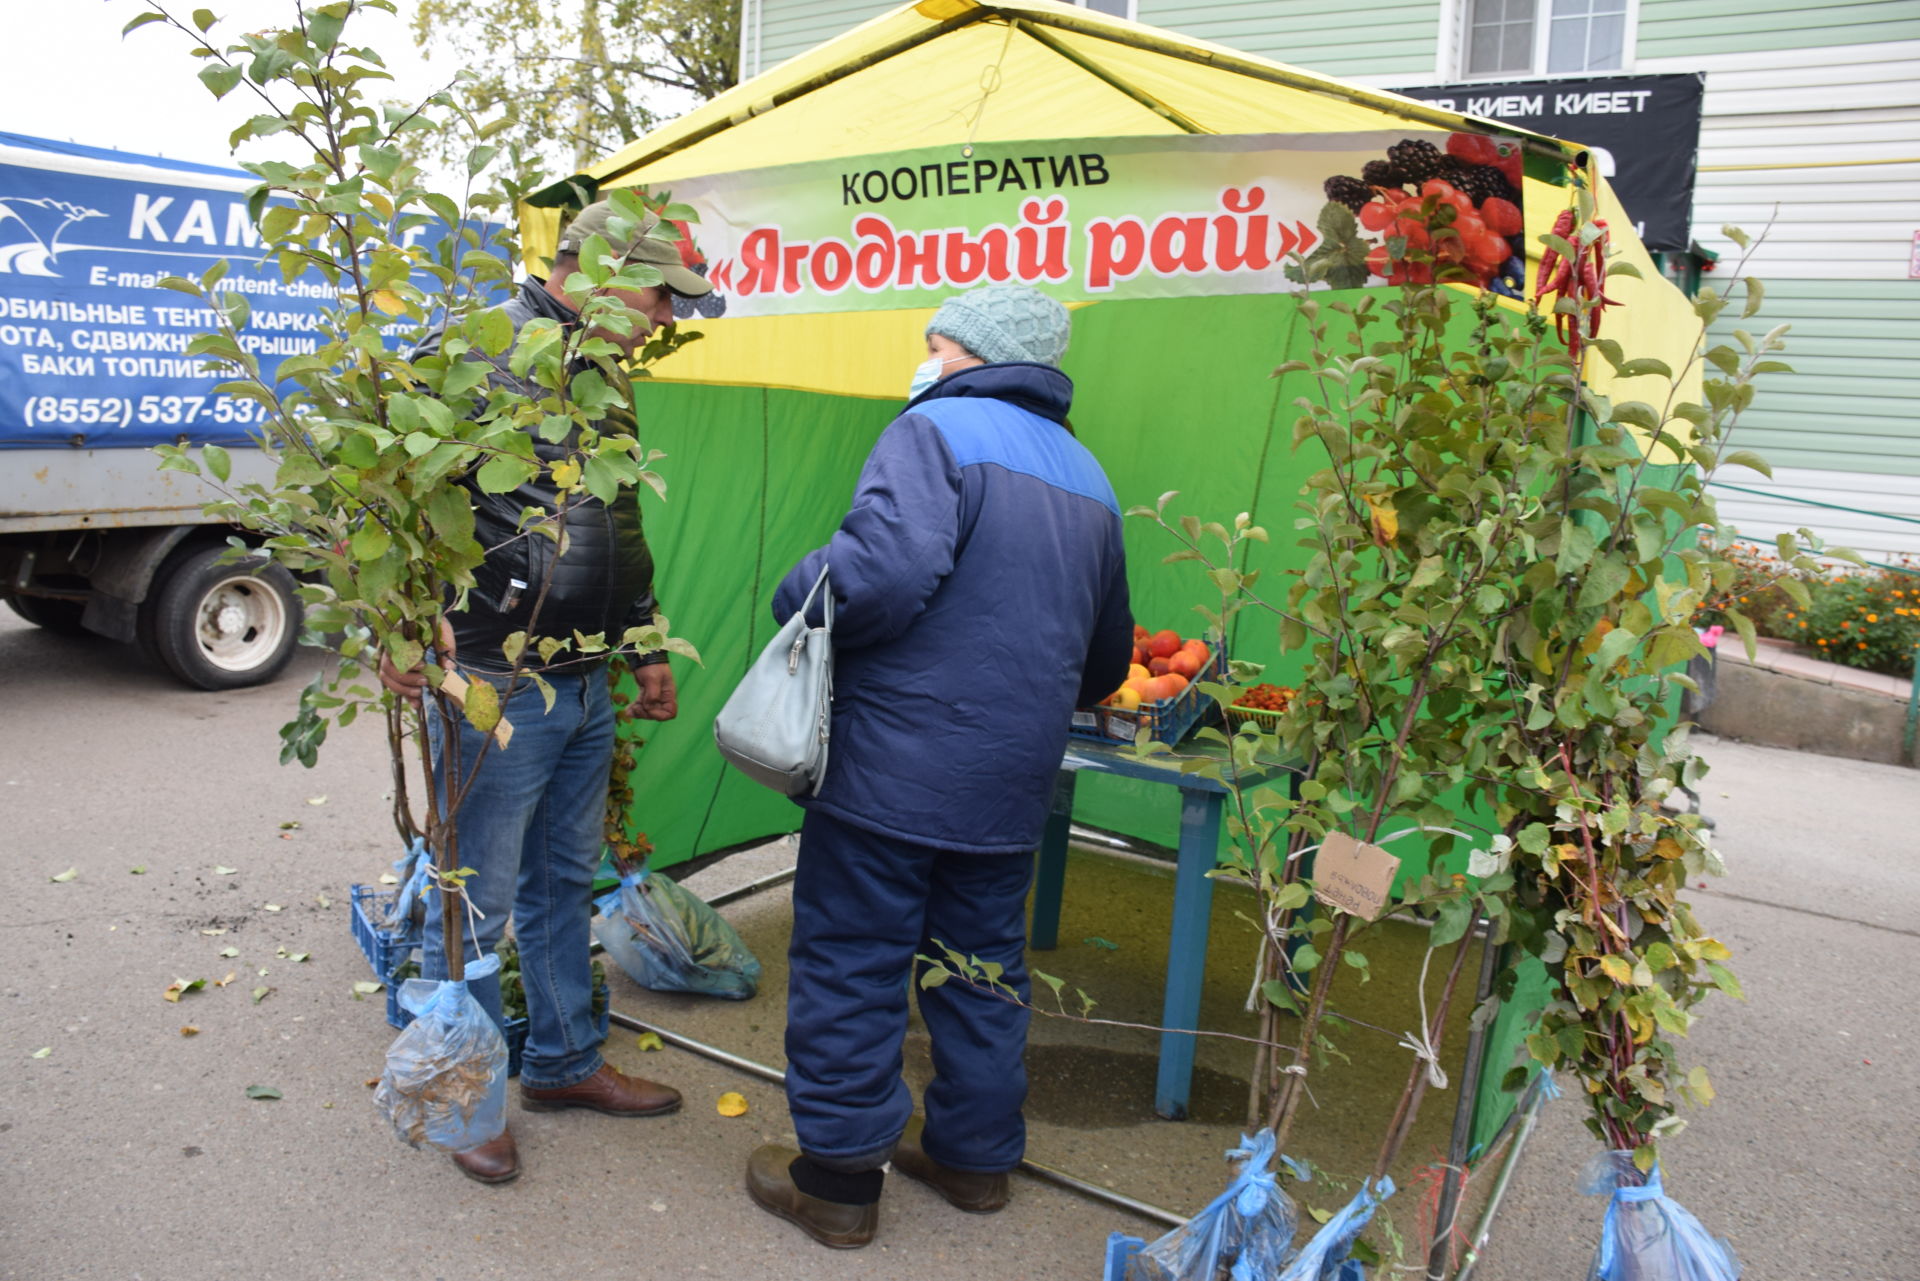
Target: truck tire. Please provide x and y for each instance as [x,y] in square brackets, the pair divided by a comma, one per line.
[61,617]
[221,626]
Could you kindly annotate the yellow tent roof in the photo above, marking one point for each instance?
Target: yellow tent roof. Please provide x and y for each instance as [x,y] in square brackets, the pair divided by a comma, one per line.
[951,72]
[919,75]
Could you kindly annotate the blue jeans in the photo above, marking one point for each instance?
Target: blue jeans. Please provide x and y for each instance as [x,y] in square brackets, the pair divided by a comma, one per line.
[532,828]
[863,905]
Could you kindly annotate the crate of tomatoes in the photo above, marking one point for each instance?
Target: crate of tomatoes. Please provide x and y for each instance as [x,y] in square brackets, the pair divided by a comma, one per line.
[1161,693]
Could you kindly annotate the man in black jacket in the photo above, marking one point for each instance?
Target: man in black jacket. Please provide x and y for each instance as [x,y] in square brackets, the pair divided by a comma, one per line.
[531,822]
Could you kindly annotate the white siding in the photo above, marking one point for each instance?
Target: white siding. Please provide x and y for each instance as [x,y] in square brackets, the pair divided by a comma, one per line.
[1879,540]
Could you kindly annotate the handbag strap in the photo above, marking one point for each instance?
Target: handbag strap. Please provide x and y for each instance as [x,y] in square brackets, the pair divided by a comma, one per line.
[826,605]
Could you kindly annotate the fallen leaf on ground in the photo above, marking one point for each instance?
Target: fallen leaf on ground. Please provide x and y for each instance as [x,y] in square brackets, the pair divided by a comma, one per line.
[189,1030]
[388,878]
[323,900]
[231,976]
[291,825]
[271,907]
[63,877]
[220,930]
[366,987]
[42,1052]
[316,800]
[658,1207]
[371,1082]
[649,1041]
[180,987]
[220,869]
[136,871]
[260,994]
[229,952]
[262,1092]
[731,1104]
[285,955]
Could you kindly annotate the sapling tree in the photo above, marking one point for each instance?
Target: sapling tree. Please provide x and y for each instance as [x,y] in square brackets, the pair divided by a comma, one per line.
[1493,612]
[378,449]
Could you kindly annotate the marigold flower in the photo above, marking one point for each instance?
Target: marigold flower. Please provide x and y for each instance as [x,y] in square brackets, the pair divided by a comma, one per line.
[1873,618]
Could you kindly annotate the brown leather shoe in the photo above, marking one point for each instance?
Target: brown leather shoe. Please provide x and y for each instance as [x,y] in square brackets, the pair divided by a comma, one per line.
[614,1093]
[974,1193]
[496,1161]
[842,1227]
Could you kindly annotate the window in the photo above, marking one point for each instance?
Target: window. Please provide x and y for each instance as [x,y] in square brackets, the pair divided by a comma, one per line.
[1544,37]
[1112,8]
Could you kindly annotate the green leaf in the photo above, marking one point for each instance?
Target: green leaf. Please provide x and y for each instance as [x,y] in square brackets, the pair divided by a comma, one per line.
[1643,365]
[262,1092]
[1450,925]
[220,80]
[61,878]
[1304,958]
[934,976]
[217,462]
[142,21]
[482,706]
[1747,458]
[504,473]
[1605,579]
[42,1052]
[370,542]
[1724,980]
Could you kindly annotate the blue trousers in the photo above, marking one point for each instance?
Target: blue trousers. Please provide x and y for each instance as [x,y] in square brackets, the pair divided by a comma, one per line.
[863,905]
[532,828]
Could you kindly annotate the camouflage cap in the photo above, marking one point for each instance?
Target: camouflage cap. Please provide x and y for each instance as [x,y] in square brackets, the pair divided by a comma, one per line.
[637,246]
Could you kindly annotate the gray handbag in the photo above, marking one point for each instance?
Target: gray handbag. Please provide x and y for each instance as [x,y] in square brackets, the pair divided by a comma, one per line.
[775,724]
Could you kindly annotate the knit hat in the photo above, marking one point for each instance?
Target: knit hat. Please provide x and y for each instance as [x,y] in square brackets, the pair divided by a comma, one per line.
[1005,323]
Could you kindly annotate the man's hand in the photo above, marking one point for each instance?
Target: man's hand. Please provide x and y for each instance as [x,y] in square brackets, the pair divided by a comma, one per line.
[658,701]
[411,685]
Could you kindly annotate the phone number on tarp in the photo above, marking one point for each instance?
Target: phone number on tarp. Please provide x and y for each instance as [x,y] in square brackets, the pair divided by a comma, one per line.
[124,411]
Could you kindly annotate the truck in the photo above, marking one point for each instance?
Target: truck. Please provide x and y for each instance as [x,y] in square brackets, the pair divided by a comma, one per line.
[95,372]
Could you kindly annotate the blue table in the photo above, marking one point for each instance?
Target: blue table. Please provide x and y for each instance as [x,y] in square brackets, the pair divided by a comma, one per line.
[1201,801]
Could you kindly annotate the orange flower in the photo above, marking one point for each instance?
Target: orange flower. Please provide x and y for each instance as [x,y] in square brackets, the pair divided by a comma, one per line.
[1822,644]
[1873,618]
[1846,622]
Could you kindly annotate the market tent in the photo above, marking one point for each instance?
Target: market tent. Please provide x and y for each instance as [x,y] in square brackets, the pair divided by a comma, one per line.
[766,421]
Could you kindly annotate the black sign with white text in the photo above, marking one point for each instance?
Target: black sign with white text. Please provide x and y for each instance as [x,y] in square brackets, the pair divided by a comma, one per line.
[1644,131]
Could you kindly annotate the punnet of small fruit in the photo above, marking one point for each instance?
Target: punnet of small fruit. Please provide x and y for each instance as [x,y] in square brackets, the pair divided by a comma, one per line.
[1262,703]
[1457,212]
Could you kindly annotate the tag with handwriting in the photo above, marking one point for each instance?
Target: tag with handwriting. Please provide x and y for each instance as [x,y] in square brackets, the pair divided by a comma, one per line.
[1353,876]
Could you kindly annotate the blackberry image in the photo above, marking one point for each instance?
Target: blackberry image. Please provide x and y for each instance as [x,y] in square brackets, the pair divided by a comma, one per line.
[682,307]
[1483,183]
[1417,158]
[712,306]
[1351,192]
[1381,173]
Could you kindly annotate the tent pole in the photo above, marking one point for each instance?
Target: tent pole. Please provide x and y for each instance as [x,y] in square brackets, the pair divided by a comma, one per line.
[774,1075]
[1107,78]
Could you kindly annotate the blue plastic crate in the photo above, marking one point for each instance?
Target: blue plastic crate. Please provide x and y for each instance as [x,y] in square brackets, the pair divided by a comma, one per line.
[1169,719]
[1120,1248]
[384,951]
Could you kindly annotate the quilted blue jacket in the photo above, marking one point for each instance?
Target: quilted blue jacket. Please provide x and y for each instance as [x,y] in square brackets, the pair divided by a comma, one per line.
[980,595]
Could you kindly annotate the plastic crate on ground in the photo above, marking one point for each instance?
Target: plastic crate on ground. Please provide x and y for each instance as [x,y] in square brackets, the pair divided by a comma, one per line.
[1120,1249]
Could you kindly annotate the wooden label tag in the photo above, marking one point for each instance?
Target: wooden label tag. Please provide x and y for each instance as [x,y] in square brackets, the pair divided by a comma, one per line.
[1353,876]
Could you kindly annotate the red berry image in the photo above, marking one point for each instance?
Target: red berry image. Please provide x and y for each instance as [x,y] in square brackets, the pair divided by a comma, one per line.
[1375,216]
[1378,260]
[1502,217]
[1507,160]
[1473,148]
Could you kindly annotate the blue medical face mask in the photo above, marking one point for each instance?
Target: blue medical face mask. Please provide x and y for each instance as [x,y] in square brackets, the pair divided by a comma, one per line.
[928,373]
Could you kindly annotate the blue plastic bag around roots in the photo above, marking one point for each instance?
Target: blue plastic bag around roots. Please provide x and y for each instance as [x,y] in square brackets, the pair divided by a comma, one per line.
[667,939]
[445,1084]
[1647,1235]
[1328,1256]
[1246,1234]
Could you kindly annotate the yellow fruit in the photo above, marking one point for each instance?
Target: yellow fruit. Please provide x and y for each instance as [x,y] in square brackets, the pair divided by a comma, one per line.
[1136,672]
[1126,698]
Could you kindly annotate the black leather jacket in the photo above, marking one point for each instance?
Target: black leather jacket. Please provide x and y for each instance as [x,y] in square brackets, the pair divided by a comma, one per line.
[602,584]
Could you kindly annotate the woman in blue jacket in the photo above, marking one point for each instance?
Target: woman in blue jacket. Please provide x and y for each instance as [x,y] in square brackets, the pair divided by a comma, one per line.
[980,595]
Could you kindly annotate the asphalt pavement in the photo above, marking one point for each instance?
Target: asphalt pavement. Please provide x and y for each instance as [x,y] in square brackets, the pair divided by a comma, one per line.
[131,1150]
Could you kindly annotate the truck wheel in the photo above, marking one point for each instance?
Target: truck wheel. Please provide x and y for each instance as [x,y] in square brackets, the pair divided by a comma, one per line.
[222,626]
[59,616]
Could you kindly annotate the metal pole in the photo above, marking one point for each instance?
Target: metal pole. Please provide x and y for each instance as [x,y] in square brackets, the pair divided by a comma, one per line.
[1913,711]
[1485,1226]
[751,888]
[1449,1203]
[774,1075]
